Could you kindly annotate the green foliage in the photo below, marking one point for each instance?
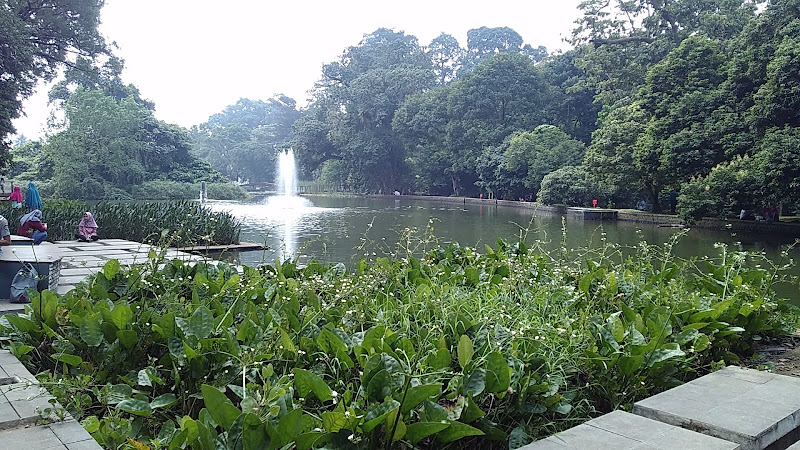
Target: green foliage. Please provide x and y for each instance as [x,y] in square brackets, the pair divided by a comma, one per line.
[241,141]
[179,223]
[570,186]
[37,38]
[478,350]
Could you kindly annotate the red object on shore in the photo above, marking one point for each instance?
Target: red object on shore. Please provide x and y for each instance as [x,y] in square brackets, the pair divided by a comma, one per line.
[594,203]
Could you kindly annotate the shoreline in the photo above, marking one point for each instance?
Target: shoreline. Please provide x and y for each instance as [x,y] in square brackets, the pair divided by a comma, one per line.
[787,229]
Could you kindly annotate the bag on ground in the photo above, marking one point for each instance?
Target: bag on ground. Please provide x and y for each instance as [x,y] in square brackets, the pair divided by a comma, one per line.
[26,278]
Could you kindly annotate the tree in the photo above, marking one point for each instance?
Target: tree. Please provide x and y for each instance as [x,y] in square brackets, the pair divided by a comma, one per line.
[110,146]
[536,153]
[37,37]
[485,42]
[358,96]
[446,56]
[569,185]
[241,141]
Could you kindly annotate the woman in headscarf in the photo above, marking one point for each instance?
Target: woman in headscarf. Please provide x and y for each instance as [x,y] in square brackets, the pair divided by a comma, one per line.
[87,228]
[16,198]
[30,225]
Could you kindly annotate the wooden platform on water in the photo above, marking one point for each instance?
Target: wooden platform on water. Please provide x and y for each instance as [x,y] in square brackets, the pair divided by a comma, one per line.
[206,249]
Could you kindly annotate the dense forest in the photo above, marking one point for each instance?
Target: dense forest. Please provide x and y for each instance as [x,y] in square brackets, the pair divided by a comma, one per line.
[700,97]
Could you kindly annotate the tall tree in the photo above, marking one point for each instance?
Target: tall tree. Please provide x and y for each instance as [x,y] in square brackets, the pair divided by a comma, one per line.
[360,94]
[446,55]
[241,141]
[37,37]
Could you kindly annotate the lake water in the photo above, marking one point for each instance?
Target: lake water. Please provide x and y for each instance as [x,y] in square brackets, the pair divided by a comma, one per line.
[334,229]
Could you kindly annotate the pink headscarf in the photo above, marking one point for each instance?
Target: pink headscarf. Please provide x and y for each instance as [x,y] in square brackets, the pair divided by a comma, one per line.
[87,226]
[16,196]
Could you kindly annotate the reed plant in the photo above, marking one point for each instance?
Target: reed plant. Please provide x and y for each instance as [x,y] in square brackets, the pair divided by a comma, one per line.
[178,223]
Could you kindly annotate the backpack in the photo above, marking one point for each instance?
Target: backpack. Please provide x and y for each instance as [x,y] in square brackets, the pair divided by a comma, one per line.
[26,278]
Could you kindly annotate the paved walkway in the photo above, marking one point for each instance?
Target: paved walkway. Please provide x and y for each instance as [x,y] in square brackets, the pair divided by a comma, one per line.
[733,408]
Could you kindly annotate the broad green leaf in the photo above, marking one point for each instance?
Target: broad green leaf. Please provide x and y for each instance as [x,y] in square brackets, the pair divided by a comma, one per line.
[498,374]
[471,411]
[688,334]
[381,384]
[617,328]
[399,427]
[456,431]
[420,430]
[201,323]
[662,354]
[472,276]
[518,438]
[121,315]
[377,414]
[110,269]
[701,343]
[289,426]
[91,424]
[220,407]
[696,325]
[432,412]
[333,421]
[128,338]
[135,407]
[629,364]
[22,324]
[730,330]
[163,401]
[418,394]
[465,350]
[475,383]
[307,381]
[144,379]
[72,360]
[439,360]
[91,331]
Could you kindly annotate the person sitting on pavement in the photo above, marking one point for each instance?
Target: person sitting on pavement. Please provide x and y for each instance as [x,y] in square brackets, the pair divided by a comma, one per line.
[31,225]
[87,228]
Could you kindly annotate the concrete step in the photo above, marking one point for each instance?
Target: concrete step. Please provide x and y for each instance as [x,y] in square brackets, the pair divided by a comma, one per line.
[755,409]
[22,400]
[621,431]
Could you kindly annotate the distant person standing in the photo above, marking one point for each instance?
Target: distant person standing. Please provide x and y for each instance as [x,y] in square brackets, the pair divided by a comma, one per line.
[673,200]
[2,184]
[16,198]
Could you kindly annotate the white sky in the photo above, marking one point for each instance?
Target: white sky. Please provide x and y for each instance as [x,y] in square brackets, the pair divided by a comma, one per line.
[194,57]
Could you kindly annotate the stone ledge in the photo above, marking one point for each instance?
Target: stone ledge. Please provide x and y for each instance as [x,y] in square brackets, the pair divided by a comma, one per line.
[620,430]
[752,408]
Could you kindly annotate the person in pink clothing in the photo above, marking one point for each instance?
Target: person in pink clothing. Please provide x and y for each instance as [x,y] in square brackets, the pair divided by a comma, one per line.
[16,198]
[87,228]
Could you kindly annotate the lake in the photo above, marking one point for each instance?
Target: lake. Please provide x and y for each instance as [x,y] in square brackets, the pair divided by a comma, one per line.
[334,229]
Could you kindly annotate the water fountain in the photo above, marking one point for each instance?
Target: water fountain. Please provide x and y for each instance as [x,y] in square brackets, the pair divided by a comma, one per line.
[287,205]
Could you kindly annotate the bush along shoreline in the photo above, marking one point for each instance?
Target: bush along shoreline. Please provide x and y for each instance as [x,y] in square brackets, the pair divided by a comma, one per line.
[452,349]
[177,223]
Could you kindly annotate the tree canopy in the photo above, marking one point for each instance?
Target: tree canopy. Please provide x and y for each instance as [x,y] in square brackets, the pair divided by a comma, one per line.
[37,37]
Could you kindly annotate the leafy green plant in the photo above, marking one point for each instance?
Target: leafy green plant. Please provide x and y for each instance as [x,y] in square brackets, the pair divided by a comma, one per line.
[456,348]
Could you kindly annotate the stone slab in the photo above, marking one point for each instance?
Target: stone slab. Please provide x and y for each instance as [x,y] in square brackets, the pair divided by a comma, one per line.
[620,431]
[746,406]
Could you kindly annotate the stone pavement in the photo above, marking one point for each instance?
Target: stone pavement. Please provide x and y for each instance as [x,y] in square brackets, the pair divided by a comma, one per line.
[621,431]
[742,408]
[21,401]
